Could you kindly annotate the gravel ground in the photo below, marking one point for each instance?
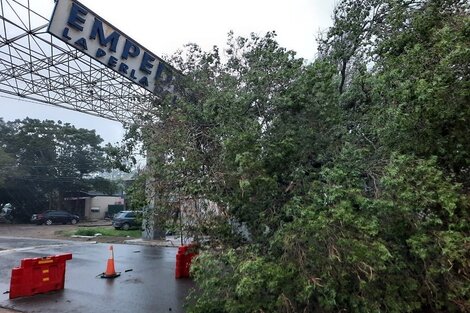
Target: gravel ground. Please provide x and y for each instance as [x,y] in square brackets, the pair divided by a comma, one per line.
[55,231]
[35,231]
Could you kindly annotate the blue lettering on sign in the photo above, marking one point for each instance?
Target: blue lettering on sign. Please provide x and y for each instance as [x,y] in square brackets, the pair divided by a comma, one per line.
[77,17]
[110,40]
[144,81]
[112,62]
[97,30]
[130,49]
[81,43]
[100,53]
[146,64]
[65,33]
[160,69]
[123,68]
[133,74]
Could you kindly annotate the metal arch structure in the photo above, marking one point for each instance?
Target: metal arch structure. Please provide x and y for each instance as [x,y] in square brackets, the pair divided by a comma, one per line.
[35,65]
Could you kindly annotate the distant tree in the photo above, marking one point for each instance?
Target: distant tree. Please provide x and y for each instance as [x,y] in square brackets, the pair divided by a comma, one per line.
[103,185]
[137,197]
[51,158]
[7,165]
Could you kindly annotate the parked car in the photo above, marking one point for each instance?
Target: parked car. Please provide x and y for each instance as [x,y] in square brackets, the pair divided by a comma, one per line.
[55,217]
[127,220]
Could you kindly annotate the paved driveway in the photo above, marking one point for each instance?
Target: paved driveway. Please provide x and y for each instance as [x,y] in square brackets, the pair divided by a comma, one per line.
[150,286]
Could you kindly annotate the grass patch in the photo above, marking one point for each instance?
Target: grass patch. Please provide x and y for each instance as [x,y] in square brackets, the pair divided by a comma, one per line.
[91,231]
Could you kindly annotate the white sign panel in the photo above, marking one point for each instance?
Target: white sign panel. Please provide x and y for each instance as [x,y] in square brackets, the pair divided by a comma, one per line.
[78,26]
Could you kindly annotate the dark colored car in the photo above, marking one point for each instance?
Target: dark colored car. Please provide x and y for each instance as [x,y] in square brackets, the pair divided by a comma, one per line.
[127,220]
[55,217]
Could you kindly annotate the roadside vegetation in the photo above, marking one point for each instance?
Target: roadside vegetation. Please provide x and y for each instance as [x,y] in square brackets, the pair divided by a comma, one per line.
[106,231]
[42,161]
[342,184]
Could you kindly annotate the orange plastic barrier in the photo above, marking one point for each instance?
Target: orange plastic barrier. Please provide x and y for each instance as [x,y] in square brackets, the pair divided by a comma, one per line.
[184,258]
[38,275]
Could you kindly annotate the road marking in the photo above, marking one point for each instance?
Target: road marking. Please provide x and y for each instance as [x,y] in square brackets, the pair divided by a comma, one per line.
[13,250]
[31,248]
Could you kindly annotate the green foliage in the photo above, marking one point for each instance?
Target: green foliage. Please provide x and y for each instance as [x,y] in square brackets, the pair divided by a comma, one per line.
[103,185]
[342,185]
[7,163]
[241,284]
[432,220]
[424,90]
[47,160]
[136,195]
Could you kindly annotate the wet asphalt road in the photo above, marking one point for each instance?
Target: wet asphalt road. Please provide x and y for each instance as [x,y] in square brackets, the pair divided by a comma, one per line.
[149,287]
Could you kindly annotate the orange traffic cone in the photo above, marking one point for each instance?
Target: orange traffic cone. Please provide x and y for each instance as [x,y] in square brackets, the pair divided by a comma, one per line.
[110,271]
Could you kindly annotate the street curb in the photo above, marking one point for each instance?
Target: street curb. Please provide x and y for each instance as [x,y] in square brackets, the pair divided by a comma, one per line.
[151,243]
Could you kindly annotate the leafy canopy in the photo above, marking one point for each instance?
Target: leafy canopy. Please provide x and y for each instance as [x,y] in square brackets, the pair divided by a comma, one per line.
[43,160]
[341,185]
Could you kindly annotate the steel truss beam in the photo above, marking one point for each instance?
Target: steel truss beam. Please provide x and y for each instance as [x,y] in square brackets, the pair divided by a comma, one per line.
[36,66]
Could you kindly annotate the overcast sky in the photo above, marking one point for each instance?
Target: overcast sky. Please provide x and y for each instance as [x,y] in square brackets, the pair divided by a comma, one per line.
[165,26]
